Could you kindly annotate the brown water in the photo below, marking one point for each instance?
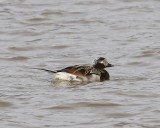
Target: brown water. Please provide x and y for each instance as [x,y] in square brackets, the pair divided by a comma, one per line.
[53,34]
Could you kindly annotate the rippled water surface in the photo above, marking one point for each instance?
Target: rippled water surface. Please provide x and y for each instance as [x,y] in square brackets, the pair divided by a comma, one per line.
[53,34]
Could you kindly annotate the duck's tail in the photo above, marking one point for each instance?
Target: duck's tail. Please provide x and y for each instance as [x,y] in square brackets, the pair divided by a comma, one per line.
[45,70]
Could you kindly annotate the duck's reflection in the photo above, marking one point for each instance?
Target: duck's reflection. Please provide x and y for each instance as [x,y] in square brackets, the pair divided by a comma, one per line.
[67,83]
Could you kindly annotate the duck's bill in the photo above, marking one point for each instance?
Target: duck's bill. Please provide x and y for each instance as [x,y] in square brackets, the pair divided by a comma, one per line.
[110,65]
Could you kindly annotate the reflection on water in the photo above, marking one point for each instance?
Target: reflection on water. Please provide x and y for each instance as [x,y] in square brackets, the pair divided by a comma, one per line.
[84,104]
[5,104]
[55,34]
[67,83]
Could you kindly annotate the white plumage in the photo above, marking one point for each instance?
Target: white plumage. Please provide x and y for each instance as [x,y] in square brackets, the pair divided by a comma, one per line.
[64,76]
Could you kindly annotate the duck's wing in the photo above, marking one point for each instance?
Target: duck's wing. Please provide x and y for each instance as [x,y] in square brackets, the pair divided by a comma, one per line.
[77,70]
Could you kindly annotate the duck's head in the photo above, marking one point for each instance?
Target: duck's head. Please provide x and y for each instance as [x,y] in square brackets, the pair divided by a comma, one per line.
[101,63]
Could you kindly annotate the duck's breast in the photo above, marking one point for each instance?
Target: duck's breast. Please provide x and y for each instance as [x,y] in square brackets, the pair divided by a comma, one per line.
[94,78]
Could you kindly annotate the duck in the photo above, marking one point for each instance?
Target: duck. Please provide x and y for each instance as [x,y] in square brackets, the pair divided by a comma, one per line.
[83,73]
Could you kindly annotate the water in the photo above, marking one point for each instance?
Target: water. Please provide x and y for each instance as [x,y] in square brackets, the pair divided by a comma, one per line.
[55,34]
